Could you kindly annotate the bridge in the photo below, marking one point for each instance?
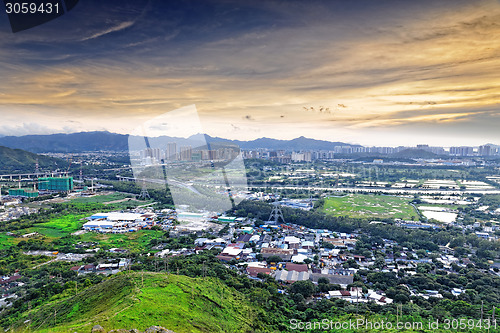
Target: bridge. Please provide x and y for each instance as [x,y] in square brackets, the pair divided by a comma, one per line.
[17,177]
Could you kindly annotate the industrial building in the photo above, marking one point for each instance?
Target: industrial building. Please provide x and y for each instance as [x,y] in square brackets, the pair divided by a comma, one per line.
[56,184]
[119,222]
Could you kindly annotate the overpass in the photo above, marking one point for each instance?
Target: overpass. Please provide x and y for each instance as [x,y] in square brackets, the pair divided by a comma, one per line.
[16,177]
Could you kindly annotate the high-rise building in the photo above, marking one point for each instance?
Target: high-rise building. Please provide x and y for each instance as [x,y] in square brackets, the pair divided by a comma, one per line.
[186,153]
[462,151]
[212,154]
[297,157]
[485,150]
[171,152]
[152,154]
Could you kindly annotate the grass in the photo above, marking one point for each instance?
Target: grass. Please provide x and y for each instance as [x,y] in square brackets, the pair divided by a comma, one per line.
[375,206]
[136,241]
[141,300]
[60,226]
[103,198]
[66,224]
[53,229]
[7,241]
[112,200]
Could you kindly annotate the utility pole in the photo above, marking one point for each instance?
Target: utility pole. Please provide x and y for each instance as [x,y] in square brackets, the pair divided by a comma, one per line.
[30,318]
[482,302]
[397,314]
[493,317]
[357,300]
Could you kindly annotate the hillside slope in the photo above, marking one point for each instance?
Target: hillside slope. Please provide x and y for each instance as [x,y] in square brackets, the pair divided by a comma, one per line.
[136,300]
[17,160]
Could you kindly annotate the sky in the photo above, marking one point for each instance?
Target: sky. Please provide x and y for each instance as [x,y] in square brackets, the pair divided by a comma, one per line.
[383,73]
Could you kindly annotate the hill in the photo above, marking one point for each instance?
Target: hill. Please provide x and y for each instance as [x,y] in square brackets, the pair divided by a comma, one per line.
[140,300]
[74,142]
[97,141]
[300,143]
[17,160]
[415,153]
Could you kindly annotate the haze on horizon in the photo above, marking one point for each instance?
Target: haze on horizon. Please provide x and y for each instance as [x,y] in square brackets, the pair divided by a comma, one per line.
[384,73]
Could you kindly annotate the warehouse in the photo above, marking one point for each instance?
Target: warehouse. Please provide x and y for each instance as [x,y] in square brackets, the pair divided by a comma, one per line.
[118,221]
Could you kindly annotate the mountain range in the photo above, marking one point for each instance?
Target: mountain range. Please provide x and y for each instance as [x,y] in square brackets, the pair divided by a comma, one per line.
[106,141]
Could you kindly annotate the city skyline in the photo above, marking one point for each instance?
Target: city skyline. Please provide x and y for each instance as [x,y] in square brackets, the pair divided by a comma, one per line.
[363,73]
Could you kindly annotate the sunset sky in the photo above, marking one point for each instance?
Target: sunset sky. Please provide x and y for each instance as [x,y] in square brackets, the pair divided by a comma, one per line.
[384,73]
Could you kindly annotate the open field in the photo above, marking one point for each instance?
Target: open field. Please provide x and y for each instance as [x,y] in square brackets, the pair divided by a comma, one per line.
[115,200]
[7,241]
[137,241]
[60,226]
[362,205]
[103,198]
[53,229]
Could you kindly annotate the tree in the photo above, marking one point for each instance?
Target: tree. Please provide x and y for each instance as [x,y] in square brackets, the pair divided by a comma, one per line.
[273,258]
[323,280]
[305,288]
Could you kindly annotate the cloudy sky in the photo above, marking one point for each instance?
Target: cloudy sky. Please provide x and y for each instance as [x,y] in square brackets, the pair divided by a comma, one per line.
[369,72]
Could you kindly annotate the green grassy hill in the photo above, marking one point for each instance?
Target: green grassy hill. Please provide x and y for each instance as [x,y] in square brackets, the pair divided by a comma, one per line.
[136,300]
[17,160]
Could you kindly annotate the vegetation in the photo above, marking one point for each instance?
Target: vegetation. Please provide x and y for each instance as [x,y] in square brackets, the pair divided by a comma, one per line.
[378,206]
[20,161]
[140,300]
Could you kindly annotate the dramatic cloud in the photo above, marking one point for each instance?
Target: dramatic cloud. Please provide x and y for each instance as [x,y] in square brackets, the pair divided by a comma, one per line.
[367,72]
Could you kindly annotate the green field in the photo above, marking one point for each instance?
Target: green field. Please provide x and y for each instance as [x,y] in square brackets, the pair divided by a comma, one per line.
[60,226]
[103,198]
[53,229]
[372,206]
[127,200]
[137,241]
[136,300]
[7,241]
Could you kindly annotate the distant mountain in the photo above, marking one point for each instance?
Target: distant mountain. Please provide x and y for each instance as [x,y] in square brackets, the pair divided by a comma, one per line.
[17,160]
[64,143]
[105,141]
[300,143]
